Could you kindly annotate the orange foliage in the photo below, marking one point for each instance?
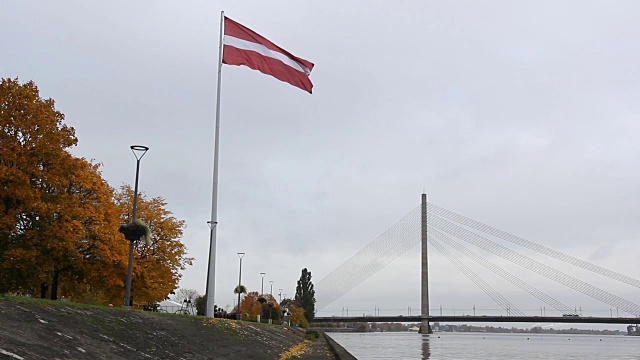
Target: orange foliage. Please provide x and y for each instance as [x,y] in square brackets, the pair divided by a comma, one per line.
[157,266]
[250,307]
[297,316]
[59,217]
[54,206]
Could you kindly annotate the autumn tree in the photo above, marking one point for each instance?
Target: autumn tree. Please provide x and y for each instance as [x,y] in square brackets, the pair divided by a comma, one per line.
[157,265]
[83,252]
[306,295]
[55,209]
[59,217]
[297,316]
[250,306]
[254,304]
[271,309]
[32,138]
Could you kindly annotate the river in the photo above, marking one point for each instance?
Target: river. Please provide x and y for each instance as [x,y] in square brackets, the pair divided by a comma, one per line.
[448,345]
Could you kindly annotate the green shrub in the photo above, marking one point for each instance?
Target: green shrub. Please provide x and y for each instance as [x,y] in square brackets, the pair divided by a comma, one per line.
[201,305]
[311,335]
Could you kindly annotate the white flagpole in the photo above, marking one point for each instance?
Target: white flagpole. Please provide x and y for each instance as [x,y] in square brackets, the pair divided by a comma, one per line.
[211,271]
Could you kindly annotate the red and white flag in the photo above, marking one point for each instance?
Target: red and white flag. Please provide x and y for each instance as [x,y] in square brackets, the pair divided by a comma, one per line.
[243,46]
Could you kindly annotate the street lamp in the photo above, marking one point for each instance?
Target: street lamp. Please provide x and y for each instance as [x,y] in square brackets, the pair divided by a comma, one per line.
[271,292]
[137,150]
[280,294]
[262,288]
[240,255]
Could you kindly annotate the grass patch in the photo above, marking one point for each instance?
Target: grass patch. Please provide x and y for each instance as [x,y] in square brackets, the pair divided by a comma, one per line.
[38,301]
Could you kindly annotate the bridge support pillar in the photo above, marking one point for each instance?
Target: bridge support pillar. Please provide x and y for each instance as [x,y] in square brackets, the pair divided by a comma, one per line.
[424,293]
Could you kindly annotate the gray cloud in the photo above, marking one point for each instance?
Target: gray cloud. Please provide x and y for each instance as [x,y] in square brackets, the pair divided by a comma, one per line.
[521,115]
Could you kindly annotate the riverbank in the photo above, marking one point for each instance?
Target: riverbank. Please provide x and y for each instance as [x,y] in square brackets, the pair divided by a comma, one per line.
[42,329]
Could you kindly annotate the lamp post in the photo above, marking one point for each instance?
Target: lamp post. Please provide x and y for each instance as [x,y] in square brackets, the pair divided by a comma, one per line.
[280,294]
[262,288]
[271,292]
[136,149]
[240,255]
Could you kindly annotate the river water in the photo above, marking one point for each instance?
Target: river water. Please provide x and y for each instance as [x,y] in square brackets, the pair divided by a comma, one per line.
[447,345]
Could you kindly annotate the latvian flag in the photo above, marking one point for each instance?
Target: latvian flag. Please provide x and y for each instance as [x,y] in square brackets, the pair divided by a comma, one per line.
[243,46]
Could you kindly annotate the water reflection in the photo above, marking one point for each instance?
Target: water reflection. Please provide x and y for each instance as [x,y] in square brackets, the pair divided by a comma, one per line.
[455,346]
[426,348]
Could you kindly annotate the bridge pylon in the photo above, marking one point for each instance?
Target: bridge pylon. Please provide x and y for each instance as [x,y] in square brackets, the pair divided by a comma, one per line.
[425,328]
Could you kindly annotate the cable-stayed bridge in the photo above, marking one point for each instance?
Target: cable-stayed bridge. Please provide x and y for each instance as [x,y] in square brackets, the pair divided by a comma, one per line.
[461,240]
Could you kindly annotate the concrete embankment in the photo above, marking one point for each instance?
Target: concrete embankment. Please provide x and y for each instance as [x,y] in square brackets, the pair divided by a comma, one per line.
[340,352]
[39,329]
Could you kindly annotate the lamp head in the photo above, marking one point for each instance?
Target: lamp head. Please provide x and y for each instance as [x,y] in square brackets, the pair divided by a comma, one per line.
[139,149]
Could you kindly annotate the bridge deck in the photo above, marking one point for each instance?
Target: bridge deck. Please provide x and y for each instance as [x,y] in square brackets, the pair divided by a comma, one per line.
[514,319]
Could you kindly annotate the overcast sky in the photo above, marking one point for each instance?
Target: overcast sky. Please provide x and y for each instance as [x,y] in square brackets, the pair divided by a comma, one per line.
[521,114]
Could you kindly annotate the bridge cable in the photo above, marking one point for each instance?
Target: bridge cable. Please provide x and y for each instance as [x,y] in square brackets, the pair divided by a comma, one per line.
[387,247]
[486,288]
[406,233]
[557,276]
[487,229]
[534,265]
[532,290]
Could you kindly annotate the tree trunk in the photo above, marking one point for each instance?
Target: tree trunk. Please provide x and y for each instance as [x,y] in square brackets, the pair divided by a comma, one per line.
[56,281]
[54,285]
[43,290]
